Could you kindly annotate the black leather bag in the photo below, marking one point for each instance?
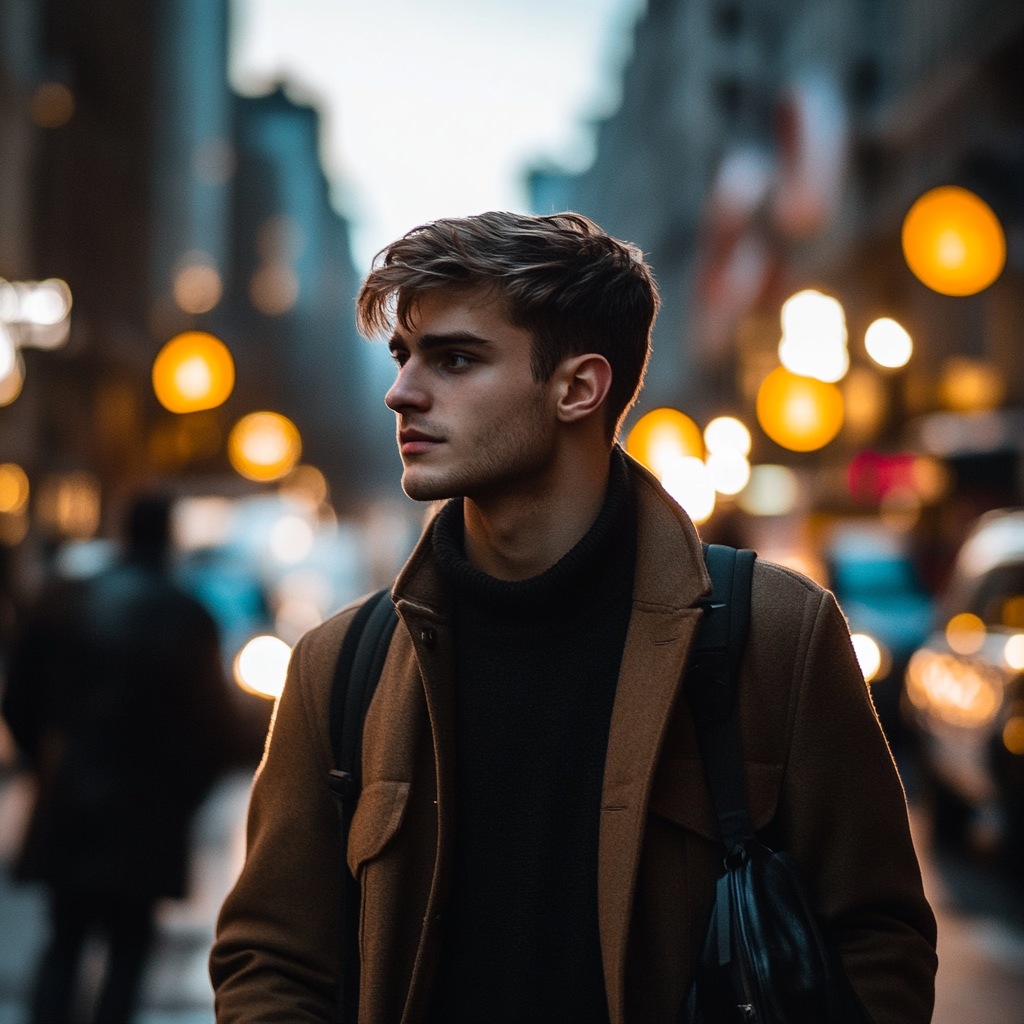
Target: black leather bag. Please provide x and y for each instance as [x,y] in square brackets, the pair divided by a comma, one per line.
[765,959]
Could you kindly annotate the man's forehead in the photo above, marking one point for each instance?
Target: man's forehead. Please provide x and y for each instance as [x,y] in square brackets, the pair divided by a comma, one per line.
[451,311]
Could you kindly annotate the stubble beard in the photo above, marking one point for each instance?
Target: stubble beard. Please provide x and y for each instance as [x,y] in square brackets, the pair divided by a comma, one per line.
[502,458]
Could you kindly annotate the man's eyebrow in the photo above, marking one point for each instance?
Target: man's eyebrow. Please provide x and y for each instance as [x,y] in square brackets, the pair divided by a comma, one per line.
[429,341]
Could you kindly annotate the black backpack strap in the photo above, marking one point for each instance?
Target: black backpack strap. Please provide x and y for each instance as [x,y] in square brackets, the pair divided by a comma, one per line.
[356,675]
[711,689]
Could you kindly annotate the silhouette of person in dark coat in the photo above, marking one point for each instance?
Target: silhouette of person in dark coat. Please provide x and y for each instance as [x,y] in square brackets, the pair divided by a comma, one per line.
[116,696]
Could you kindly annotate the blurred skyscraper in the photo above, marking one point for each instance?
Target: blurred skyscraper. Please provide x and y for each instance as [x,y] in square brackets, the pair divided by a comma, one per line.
[129,169]
[766,147]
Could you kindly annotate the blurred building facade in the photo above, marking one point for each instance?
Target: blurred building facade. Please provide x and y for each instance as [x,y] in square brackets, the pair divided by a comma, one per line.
[763,148]
[130,170]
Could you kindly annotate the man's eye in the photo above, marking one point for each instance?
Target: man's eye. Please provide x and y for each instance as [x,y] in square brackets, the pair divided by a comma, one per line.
[399,356]
[456,360]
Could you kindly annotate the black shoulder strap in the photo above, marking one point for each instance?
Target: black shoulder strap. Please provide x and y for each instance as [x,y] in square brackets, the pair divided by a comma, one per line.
[355,682]
[711,688]
[356,675]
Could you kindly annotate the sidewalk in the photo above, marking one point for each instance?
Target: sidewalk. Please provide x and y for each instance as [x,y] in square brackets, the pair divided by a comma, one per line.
[981,954]
[176,988]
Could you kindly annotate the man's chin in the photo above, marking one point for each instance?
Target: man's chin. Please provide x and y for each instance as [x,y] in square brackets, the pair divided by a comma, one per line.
[425,486]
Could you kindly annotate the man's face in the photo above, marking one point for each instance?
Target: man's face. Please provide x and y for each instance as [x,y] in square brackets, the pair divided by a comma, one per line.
[471,419]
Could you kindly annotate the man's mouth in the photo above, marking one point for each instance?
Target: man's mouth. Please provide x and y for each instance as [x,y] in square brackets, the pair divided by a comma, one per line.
[416,442]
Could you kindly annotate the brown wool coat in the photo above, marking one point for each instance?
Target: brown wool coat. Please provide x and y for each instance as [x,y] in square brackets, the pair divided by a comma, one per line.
[817,768]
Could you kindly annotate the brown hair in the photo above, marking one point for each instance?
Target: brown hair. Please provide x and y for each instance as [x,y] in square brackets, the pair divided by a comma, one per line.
[570,284]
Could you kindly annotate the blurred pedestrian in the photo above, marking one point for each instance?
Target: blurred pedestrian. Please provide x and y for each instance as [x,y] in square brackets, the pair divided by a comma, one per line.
[117,699]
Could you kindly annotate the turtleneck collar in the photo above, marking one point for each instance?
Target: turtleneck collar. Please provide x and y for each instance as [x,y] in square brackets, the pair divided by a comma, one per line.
[612,532]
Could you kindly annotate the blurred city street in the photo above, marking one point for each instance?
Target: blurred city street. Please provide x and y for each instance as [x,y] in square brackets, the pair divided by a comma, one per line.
[198,466]
[981,925]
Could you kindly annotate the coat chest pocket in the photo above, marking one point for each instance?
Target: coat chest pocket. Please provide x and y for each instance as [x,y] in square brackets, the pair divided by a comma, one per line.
[680,794]
[377,819]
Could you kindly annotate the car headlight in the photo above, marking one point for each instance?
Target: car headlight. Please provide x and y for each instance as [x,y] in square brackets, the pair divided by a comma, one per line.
[958,691]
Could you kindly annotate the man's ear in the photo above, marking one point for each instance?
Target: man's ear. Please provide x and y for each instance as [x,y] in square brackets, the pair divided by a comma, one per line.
[582,385]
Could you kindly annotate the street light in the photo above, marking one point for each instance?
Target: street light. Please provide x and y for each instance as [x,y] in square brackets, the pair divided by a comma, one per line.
[264,446]
[799,413]
[14,488]
[33,314]
[688,481]
[192,372]
[953,241]
[728,444]
[814,336]
[670,445]
[726,433]
[888,343]
[662,437]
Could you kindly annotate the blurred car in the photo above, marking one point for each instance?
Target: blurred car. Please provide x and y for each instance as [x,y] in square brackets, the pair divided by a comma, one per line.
[889,612]
[965,690]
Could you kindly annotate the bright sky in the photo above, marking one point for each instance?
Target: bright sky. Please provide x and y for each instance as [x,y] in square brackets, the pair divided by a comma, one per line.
[434,107]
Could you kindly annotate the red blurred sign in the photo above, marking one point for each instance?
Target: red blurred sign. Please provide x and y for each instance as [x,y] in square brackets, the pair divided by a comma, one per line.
[871,476]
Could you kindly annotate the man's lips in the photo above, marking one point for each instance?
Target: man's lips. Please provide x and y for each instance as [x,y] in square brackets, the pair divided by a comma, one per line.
[416,442]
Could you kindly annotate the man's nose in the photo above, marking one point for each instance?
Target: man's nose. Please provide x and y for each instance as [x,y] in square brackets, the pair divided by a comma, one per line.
[407,392]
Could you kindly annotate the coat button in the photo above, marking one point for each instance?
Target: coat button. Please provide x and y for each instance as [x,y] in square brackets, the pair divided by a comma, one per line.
[429,636]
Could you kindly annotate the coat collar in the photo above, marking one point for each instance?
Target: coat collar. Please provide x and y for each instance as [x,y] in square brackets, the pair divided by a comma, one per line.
[422,584]
[670,579]
[659,579]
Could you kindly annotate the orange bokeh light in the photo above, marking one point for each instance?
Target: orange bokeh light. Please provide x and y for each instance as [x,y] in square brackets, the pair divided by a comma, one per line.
[264,446]
[193,371]
[965,633]
[799,413]
[662,437]
[953,241]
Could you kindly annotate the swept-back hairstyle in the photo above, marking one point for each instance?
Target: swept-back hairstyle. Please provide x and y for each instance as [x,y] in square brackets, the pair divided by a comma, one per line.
[570,284]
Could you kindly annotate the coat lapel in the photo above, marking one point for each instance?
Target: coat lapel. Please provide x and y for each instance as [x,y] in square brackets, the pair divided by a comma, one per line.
[423,598]
[670,579]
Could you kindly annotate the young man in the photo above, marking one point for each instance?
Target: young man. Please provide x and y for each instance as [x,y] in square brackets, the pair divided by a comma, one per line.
[534,839]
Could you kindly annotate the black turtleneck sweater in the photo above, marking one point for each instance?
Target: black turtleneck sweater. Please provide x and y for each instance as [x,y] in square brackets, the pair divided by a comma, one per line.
[536,666]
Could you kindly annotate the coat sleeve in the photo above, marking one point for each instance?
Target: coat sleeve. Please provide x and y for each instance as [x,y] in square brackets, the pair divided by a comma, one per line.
[276,954]
[845,815]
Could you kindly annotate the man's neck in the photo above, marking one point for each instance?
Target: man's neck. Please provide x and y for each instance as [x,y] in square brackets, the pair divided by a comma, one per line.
[520,534]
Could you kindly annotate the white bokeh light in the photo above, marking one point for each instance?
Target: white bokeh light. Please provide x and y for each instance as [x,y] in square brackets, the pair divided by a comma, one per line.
[814,336]
[688,481]
[869,655]
[45,303]
[262,666]
[8,354]
[726,433]
[291,539]
[888,343]
[772,491]
[1013,652]
[729,471]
